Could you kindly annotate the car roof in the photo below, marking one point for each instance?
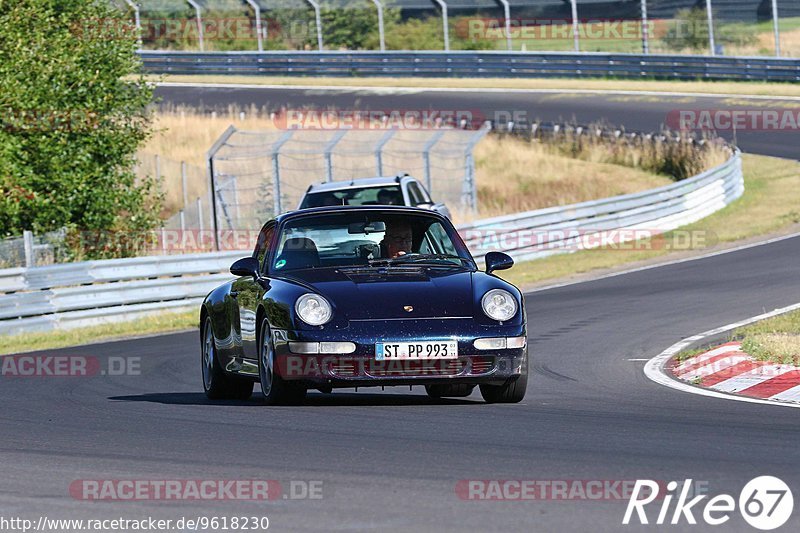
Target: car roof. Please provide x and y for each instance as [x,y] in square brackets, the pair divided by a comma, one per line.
[398,209]
[382,181]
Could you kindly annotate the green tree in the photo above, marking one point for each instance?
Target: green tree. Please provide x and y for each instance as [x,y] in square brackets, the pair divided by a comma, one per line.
[73,113]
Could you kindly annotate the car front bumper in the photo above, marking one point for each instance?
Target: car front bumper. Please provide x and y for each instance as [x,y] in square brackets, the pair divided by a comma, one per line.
[361,369]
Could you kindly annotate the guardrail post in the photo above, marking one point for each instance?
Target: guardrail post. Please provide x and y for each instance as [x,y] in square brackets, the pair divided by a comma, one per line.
[197,10]
[710,16]
[27,243]
[445,24]
[379,150]
[775,28]
[318,18]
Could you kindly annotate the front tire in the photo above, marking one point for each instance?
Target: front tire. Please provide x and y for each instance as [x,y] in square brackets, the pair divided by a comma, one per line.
[216,384]
[511,392]
[275,389]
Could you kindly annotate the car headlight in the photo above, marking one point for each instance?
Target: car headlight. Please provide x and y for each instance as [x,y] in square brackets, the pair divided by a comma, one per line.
[313,309]
[499,305]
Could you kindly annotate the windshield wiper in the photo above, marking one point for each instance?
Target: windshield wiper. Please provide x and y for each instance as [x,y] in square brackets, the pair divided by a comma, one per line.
[438,259]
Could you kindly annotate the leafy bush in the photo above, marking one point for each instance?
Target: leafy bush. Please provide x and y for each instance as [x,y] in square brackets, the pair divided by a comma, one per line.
[689,30]
[74,112]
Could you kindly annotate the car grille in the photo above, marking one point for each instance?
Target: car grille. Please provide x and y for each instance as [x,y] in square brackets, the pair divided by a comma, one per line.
[352,368]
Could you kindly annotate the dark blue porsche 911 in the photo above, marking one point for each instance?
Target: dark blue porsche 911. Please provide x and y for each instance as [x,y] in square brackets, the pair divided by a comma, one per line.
[364,296]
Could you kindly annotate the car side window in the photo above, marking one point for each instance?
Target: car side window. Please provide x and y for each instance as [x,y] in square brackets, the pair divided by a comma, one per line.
[263,244]
[415,194]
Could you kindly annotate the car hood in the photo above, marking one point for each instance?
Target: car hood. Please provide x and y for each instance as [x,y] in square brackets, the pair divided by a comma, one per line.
[386,293]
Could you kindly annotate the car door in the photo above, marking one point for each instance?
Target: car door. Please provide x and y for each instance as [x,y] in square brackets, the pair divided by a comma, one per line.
[248,292]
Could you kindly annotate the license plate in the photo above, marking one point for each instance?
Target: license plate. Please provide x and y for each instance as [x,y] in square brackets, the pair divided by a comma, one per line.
[386,351]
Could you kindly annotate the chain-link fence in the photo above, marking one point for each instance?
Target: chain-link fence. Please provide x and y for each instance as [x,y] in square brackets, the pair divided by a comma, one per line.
[34,250]
[729,27]
[259,174]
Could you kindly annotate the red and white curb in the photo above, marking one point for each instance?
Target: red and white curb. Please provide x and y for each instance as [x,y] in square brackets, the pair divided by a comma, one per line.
[726,372]
[728,369]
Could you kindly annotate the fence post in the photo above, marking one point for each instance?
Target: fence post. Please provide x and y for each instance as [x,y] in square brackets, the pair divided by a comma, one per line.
[318,18]
[445,24]
[183,184]
[182,216]
[775,28]
[27,242]
[137,20]
[328,154]
[575,25]
[710,15]
[379,150]
[200,217]
[381,34]
[507,15]
[212,152]
[470,186]
[257,10]
[426,158]
[276,172]
[197,10]
[645,29]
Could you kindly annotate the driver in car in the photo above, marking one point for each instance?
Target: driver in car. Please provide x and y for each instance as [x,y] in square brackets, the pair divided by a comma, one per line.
[397,240]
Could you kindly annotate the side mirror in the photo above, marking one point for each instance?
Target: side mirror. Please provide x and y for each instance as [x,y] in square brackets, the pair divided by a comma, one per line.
[247,266]
[498,261]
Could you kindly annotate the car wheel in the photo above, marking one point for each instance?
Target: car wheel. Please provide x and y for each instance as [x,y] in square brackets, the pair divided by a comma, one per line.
[460,390]
[275,389]
[218,385]
[511,392]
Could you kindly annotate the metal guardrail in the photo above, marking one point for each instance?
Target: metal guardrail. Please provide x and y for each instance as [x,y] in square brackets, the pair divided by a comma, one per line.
[82,294]
[474,64]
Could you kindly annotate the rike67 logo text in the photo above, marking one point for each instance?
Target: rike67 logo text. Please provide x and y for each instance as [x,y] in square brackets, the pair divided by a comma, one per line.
[765,503]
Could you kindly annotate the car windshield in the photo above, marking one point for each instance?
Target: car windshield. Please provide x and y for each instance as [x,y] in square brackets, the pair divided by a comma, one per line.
[387,195]
[368,239]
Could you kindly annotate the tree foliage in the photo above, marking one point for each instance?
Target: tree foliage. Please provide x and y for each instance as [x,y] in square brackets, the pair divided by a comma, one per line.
[73,112]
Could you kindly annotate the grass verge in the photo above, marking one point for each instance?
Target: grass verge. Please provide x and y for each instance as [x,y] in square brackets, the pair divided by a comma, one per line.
[769,205]
[775,340]
[559,84]
[162,323]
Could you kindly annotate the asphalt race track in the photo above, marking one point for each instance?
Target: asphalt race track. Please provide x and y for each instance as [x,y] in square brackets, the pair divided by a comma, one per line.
[637,113]
[392,460]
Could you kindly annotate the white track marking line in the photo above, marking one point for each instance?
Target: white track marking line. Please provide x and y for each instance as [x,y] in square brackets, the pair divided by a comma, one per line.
[692,361]
[789,395]
[413,90]
[655,371]
[756,376]
[712,368]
